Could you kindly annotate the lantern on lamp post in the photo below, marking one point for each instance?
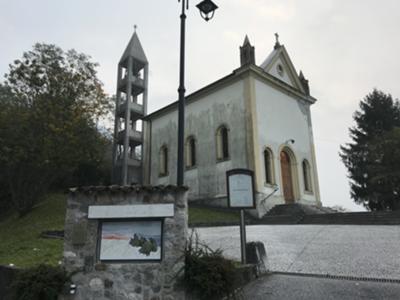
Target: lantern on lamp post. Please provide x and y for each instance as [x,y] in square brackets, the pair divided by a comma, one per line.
[207,9]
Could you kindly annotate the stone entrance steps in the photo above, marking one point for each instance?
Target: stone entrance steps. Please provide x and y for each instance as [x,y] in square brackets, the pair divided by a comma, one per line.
[282,219]
[296,208]
[288,214]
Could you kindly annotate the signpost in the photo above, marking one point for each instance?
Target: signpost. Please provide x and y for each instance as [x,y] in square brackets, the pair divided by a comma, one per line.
[240,190]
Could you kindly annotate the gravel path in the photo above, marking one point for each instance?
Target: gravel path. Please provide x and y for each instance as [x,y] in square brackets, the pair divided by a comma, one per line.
[361,251]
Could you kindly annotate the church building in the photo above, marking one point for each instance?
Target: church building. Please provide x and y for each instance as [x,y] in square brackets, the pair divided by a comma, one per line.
[258,118]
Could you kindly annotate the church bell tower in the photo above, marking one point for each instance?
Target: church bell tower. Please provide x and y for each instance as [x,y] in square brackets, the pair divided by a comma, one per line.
[131,107]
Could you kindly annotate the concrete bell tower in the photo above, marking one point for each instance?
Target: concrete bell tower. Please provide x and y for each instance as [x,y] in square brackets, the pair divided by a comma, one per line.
[131,107]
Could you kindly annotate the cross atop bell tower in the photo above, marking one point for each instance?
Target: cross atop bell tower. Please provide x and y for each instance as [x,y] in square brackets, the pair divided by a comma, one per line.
[131,107]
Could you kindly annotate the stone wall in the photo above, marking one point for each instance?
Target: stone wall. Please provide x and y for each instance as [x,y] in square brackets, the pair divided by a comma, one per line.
[132,280]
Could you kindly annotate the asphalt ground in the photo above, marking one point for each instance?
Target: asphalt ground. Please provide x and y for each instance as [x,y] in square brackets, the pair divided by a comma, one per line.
[343,250]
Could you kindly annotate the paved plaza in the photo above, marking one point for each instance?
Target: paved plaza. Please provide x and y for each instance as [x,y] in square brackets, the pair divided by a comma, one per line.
[345,250]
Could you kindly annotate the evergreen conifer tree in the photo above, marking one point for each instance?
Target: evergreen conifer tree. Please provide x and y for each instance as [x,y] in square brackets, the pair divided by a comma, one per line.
[372,156]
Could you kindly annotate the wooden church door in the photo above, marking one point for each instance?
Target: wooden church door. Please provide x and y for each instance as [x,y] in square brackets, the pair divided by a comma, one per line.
[287,182]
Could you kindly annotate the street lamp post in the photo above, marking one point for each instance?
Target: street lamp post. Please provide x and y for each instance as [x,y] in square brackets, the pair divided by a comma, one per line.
[207,9]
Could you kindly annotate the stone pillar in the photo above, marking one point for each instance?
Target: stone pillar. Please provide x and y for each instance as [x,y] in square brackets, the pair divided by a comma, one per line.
[99,280]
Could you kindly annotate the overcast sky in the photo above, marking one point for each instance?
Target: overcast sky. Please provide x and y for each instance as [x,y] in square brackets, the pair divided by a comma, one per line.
[344,47]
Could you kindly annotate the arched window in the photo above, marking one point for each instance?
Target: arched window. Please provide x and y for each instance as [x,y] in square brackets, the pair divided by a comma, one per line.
[222,143]
[269,166]
[307,176]
[190,152]
[163,163]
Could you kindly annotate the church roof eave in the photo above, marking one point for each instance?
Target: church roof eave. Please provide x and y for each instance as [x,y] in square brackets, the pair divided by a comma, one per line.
[283,85]
[267,62]
[189,98]
[236,74]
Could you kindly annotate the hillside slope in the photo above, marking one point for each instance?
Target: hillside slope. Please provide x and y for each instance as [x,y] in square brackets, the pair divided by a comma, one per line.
[20,241]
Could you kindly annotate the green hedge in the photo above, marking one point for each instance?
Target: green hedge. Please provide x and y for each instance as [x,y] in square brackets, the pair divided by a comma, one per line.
[39,283]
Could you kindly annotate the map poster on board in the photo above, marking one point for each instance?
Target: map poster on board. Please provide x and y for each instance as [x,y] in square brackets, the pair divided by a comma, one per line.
[240,186]
[132,240]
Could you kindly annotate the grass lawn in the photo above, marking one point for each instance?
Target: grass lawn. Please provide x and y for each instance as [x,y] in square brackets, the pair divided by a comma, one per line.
[20,243]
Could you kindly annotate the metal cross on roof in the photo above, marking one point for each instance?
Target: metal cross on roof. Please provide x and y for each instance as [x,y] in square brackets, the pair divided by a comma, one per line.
[277,45]
[277,38]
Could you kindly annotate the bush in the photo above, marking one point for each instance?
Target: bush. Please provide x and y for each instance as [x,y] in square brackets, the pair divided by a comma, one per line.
[39,283]
[208,274]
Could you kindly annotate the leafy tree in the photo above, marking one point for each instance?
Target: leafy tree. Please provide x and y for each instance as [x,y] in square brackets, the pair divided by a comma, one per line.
[49,105]
[373,157]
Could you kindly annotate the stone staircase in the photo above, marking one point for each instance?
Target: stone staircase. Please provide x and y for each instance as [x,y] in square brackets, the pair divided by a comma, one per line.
[310,214]
[276,220]
[288,214]
[296,208]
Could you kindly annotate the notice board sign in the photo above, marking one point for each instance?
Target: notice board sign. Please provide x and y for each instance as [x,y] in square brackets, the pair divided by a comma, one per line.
[240,186]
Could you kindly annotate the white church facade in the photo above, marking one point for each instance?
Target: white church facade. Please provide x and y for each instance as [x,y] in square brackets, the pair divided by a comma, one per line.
[257,118]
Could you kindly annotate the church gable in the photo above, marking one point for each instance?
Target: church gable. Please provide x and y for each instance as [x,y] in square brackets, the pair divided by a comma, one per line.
[279,65]
[280,70]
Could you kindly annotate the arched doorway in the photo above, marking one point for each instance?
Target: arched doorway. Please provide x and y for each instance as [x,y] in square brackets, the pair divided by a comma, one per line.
[287,178]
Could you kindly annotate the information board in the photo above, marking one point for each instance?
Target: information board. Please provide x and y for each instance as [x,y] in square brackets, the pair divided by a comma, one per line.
[240,186]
